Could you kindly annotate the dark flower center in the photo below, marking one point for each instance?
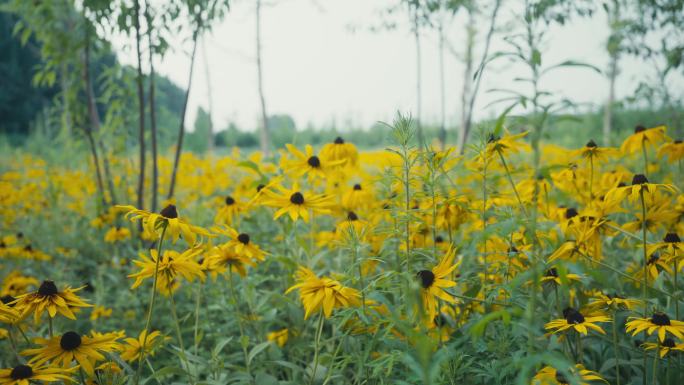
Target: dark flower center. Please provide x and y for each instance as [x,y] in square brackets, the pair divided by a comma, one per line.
[639,179]
[339,140]
[573,316]
[260,187]
[6,299]
[28,248]
[357,187]
[70,341]
[570,213]
[230,201]
[660,319]
[351,216]
[639,128]
[513,250]
[491,138]
[439,239]
[552,272]
[561,378]
[243,238]
[591,144]
[314,162]
[47,288]
[89,287]
[21,372]
[427,278]
[654,258]
[169,212]
[678,141]
[297,198]
[669,343]
[672,238]
[440,320]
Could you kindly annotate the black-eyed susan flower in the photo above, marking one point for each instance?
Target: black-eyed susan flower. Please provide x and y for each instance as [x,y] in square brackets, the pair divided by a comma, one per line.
[309,164]
[671,246]
[15,283]
[117,234]
[573,319]
[664,347]
[324,293]
[591,151]
[168,219]
[23,374]
[8,314]
[658,322]
[357,198]
[51,300]
[552,276]
[224,259]
[172,265]
[673,151]
[72,346]
[340,151]
[132,346]
[230,209]
[643,137]
[100,312]
[549,375]
[241,242]
[506,144]
[279,337]
[296,203]
[640,185]
[612,302]
[434,281]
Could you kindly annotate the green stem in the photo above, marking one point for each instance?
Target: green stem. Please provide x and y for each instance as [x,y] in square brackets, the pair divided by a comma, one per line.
[319,331]
[197,311]
[645,280]
[510,180]
[656,358]
[243,338]
[153,296]
[615,349]
[179,336]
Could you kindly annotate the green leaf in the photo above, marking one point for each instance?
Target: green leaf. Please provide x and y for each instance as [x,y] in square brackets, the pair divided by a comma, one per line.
[256,350]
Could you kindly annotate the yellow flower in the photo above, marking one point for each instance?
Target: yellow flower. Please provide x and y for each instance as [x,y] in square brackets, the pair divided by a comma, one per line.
[171,265]
[659,322]
[506,144]
[643,137]
[16,284]
[640,185]
[224,258]
[296,203]
[279,337]
[168,217]
[132,347]
[100,311]
[552,276]
[8,314]
[116,234]
[434,281]
[26,374]
[591,151]
[674,151]
[665,346]
[613,302]
[550,376]
[573,319]
[241,243]
[231,208]
[323,293]
[308,163]
[70,346]
[339,151]
[49,299]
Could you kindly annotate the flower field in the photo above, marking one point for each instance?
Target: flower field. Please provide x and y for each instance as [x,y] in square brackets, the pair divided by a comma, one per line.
[516,262]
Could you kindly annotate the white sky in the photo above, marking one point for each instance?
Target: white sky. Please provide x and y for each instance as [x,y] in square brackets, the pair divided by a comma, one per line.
[318,70]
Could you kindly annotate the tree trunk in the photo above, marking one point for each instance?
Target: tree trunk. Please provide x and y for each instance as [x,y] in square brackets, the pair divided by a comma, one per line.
[210,100]
[66,114]
[464,129]
[153,113]
[480,72]
[181,128]
[608,110]
[94,121]
[419,78]
[442,91]
[264,137]
[141,109]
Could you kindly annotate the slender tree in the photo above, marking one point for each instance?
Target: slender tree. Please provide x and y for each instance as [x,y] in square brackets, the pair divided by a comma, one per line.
[141,105]
[264,137]
[152,108]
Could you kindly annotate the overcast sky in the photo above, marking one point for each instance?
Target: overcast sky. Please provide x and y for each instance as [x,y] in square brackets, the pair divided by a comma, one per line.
[322,63]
